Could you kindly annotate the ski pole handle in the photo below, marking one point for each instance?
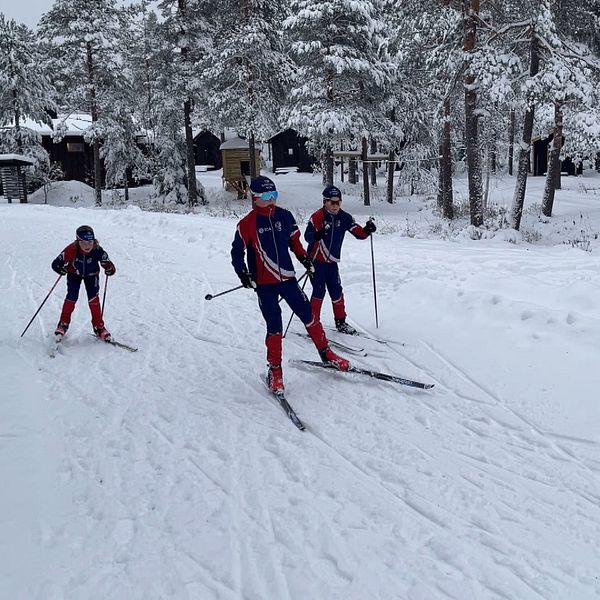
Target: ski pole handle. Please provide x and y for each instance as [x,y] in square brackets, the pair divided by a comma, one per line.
[42,304]
[211,296]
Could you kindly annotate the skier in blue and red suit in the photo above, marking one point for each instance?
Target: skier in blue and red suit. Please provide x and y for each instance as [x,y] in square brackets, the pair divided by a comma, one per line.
[261,258]
[325,235]
[81,261]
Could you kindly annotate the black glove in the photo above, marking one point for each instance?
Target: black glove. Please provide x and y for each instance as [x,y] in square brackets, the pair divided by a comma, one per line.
[110,271]
[246,280]
[61,269]
[370,227]
[307,263]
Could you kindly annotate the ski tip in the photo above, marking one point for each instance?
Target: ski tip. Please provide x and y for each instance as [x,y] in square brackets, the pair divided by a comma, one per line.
[428,386]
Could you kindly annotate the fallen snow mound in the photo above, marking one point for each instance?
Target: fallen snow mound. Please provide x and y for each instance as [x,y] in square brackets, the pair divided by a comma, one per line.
[65,193]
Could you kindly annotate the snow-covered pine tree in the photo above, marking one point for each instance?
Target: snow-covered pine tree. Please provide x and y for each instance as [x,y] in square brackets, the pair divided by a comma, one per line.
[555,73]
[25,92]
[429,39]
[568,80]
[83,38]
[248,71]
[344,73]
[185,27]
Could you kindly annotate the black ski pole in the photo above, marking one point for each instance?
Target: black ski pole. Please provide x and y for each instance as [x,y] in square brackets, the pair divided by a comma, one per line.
[42,304]
[211,296]
[292,315]
[104,295]
[374,282]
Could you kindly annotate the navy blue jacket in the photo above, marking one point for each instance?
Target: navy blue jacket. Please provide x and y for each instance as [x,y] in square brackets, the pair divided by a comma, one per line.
[329,248]
[267,235]
[85,265]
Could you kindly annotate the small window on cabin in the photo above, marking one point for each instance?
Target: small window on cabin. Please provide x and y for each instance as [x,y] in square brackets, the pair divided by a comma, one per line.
[75,147]
[245,167]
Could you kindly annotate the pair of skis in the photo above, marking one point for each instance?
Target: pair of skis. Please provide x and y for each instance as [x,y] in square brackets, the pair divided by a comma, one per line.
[59,338]
[283,402]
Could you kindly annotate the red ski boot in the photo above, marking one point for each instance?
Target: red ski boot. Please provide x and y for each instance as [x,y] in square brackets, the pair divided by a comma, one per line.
[329,356]
[275,378]
[102,333]
[61,329]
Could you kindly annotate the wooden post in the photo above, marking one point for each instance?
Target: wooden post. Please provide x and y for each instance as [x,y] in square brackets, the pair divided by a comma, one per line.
[365,170]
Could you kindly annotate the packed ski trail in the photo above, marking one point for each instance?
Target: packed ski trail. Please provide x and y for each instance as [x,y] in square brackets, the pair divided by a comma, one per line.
[172,473]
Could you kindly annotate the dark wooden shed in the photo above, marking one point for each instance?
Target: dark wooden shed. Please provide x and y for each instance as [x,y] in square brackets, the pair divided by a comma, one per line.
[540,153]
[74,155]
[12,174]
[206,150]
[289,150]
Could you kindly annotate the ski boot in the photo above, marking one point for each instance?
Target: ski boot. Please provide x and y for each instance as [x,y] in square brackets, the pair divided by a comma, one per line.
[343,327]
[328,356]
[102,333]
[61,330]
[275,378]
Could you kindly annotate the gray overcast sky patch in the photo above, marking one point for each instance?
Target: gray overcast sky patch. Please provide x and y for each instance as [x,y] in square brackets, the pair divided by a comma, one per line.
[29,12]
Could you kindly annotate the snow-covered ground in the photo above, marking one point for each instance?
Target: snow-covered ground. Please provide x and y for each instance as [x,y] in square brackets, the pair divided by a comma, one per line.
[171,473]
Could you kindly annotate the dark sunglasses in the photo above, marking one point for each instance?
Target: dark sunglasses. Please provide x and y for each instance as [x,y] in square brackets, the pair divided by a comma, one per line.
[335,202]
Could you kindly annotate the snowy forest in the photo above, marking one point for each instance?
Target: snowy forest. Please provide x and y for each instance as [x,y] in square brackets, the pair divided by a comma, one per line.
[459,457]
[430,85]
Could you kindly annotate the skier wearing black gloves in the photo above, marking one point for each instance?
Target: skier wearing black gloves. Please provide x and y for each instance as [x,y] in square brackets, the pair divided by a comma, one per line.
[325,235]
[261,258]
[81,261]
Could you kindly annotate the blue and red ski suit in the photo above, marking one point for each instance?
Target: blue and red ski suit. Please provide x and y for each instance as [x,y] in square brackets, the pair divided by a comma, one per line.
[261,246]
[326,254]
[83,267]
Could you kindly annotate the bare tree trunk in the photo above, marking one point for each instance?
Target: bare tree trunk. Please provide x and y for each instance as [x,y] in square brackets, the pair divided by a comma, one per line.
[366,191]
[352,177]
[252,154]
[192,189]
[188,107]
[373,165]
[489,157]
[391,169]
[328,167]
[521,184]
[445,200]
[554,163]
[94,113]
[342,163]
[471,12]
[511,141]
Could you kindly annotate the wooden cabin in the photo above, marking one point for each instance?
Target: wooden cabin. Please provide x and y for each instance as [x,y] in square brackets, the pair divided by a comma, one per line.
[206,151]
[289,151]
[236,165]
[75,156]
[540,152]
[12,176]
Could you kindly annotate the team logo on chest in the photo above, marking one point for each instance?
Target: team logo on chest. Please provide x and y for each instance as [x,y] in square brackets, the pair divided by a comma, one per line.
[278,225]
